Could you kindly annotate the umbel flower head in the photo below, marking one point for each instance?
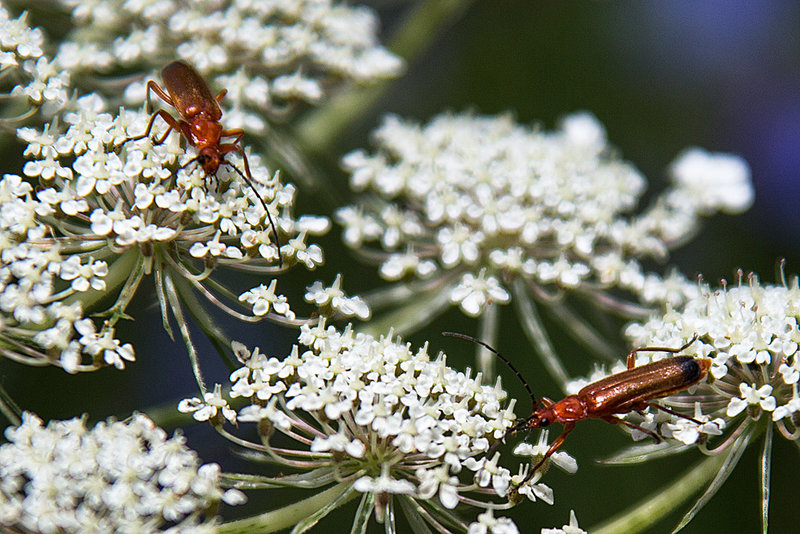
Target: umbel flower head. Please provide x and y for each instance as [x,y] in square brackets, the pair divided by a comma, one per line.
[108,209]
[372,419]
[470,210]
[39,282]
[36,80]
[269,55]
[120,476]
[751,334]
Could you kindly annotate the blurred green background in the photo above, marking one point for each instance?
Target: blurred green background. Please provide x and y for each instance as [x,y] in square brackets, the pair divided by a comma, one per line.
[661,76]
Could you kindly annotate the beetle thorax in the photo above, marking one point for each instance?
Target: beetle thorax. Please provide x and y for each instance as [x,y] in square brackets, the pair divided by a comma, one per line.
[205,133]
[570,408]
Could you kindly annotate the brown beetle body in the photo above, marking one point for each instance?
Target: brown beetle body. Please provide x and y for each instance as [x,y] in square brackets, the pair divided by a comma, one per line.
[189,94]
[200,113]
[628,391]
[631,390]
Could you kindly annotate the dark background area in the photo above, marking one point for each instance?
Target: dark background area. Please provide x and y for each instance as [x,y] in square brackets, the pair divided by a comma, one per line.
[661,76]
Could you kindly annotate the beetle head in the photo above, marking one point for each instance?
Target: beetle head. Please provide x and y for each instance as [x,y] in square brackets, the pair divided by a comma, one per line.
[541,417]
[209,159]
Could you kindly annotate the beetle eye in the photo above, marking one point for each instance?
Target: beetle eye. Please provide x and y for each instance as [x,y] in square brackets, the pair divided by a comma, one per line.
[544,421]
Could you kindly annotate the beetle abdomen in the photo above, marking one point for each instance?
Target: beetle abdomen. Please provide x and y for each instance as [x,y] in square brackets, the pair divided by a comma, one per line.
[623,391]
[189,92]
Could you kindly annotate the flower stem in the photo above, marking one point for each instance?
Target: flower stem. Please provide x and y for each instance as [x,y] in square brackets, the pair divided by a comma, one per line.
[489,325]
[321,128]
[655,507]
[9,408]
[284,517]
[183,327]
[409,316]
[537,334]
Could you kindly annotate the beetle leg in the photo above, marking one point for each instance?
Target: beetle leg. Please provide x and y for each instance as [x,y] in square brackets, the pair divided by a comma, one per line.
[169,119]
[553,448]
[631,361]
[518,426]
[174,124]
[236,133]
[184,128]
[673,412]
[221,95]
[615,420]
[162,94]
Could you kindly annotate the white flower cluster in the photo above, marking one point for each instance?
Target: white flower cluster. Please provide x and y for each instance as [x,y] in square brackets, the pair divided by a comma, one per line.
[269,55]
[465,193]
[42,324]
[21,51]
[751,334]
[334,300]
[390,421]
[116,477]
[130,193]
[104,196]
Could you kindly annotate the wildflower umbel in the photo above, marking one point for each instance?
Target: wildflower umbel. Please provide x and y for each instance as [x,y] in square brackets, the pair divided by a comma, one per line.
[371,418]
[116,477]
[474,210]
[751,334]
[36,80]
[107,209]
[271,56]
[39,280]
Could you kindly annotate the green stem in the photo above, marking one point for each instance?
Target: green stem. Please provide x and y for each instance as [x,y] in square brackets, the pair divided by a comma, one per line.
[9,409]
[183,328]
[537,333]
[766,470]
[657,506]
[285,517]
[210,327]
[321,128]
[410,316]
[489,324]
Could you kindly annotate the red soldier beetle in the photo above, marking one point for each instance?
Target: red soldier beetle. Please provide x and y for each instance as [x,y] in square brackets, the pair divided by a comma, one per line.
[631,390]
[188,93]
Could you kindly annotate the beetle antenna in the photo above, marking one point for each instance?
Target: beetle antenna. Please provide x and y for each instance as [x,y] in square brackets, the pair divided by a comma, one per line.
[505,360]
[266,209]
